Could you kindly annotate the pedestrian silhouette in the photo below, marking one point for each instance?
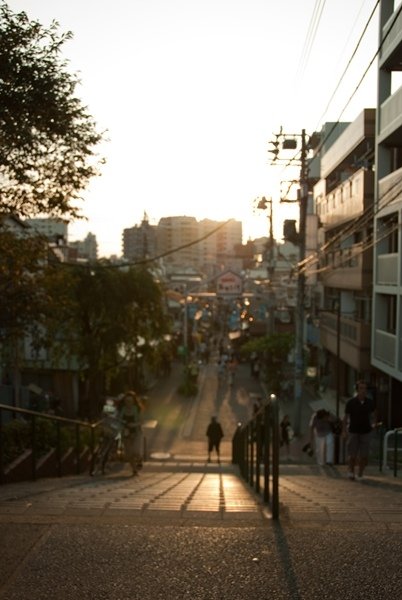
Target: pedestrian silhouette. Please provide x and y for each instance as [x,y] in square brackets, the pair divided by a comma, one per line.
[214,434]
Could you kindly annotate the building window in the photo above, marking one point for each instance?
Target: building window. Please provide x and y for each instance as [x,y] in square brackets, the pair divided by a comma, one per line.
[391,314]
[363,309]
[388,234]
[385,308]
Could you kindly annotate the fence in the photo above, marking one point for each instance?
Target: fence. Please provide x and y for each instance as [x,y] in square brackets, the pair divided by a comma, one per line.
[255,449]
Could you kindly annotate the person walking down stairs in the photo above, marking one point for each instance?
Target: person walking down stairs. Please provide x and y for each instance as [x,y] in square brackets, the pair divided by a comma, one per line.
[215,435]
[130,416]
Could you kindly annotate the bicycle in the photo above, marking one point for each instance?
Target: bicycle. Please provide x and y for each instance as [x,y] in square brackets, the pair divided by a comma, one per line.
[110,443]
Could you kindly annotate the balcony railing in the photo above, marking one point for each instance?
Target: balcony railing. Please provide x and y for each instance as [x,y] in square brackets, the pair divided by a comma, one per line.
[348,200]
[349,268]
[387,269]
[390,115]
[390,188]
[354,338]
[385,347]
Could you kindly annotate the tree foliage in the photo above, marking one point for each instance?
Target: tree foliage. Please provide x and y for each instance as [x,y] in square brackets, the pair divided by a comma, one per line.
[23,298]
[47,137]
[273,351]
[104,316]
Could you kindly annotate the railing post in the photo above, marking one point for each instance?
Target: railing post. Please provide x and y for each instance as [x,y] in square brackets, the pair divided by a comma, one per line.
[240,433]
[77,449]
[258,453]
[245,452]
[275,457]
[381,448]
[395,452]
[58,448]
[251,444]
[267,449]
[33,446]
[1,449]
[237,446]
[144,448]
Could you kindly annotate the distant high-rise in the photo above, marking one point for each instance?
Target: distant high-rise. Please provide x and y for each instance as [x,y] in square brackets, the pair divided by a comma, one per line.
[205,244]
[139,242]
[177,240]
[86,248]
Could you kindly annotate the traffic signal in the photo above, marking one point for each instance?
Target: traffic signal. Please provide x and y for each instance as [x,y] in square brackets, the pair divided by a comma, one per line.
[275,149]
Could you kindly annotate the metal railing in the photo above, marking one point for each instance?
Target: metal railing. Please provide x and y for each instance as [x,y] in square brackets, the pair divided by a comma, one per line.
[32,442]
[255,449]
[387,447]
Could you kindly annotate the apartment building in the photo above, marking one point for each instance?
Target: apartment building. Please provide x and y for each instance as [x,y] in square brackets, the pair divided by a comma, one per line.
[218,246]
[344,198]
[87,249]
[139,242]
[207,245]
[176,240]
[55,230]
[386,350]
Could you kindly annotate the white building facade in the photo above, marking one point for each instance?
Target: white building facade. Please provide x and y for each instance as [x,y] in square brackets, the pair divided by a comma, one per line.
[386,340]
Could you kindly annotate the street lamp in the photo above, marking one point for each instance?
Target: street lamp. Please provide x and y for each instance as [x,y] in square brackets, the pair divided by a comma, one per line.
[266,204]
[185,328]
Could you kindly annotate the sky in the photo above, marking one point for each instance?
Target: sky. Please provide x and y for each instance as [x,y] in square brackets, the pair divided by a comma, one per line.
[191,92]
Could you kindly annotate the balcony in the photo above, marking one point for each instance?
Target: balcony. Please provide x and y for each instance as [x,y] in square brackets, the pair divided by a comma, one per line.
[347,201]
[385,347]
[354,339]
[391,52]
[387,269]
[349,268]
[390,119]
[390,188]
[353,142]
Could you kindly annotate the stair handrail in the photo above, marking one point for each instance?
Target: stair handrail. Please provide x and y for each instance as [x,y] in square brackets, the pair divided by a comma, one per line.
[32,416]
[255,444]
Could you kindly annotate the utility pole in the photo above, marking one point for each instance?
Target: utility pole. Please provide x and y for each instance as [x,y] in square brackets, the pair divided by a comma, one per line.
[299,239]
[299,346]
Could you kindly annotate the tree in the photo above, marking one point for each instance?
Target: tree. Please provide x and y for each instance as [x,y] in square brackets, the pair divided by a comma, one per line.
[47,138]
[23,298]
[273,351]
[104,316]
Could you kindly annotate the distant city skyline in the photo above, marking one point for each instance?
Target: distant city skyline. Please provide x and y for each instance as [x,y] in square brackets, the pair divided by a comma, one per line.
[192,91]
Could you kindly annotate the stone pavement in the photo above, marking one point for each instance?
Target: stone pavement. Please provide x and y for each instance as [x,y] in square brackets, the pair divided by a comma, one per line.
[185,528]
[195,530]
[202,493]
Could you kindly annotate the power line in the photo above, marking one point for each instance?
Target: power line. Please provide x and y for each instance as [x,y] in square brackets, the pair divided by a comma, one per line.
[349,63]
[322,142]
[368,217]
[311,34]
[396,15]
[153,258]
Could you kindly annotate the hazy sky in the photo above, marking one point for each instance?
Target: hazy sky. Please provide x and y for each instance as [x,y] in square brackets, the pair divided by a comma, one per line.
[191,92]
